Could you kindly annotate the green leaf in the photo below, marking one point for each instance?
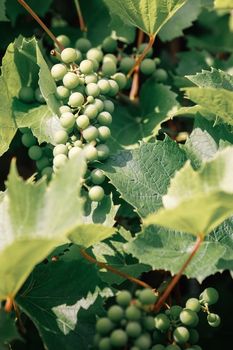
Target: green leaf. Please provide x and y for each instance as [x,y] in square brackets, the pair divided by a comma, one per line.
[215,78]
[143,175]
[198,201]
[8,330]
[148,15]
[35,219]
[121,31]
[192,61]
[3,17]
[223,4]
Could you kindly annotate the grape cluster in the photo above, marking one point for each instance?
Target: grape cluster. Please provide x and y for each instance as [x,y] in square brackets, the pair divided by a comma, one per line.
[131,323]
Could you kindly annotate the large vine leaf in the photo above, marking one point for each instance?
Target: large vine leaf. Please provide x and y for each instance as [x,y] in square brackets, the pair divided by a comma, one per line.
[3,17]
[8,330]
[198,201]
[143,175]
[148,15]
[35,219]
[223,4]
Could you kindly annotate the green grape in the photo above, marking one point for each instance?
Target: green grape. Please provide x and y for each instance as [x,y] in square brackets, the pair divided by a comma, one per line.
[76,99]
[74,152]
[104,86]
[91,111]
[78,143]
[64,109]
[95,54]
[103,152]
[189,317]
[97,176]
[91,78]
[193,336]
[143,341]
[60,136]
[115,312]
[70,80]
[90,99]
[28,139]
[92,89]
[47,171]
[172,347]
[162,322]
[96,340]
[79,56]
[181,335]
[104,133]
[216,321]
[109,44]
[193,304]
[63,40]
[42,163]
[26,94]
[99,104]
[134,348]
[82,121]
[147,66]
[35,152]
[196,347]
[83,45]
[24,130]
[104,118]
[209,296]
[62,92]
[110,57]
[90,153]
[58,71]
[104,326]
[95,65]
[109,68]
[142,48]
[109,106]
[147,296]
[133,329]
[160,75]
[132,313]
[68,55]
[67,120]
[105,344]
[96,194]
[59,160]
[148,323]
[114,88]
[90,133]
[38,96]
[121,80]
[124,298]
[126,64]
[86,67]
[158,347]
[118,338]
[60,149]
[175,311]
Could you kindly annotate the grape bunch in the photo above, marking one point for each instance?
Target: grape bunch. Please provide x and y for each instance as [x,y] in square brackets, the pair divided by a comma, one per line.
[131,323]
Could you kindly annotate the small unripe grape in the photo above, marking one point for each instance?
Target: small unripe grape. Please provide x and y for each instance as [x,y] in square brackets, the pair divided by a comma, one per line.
[118,338]
[90,133]
[58,71]
[109,44]
[109,68]
[126,64]
[213,320]
[59,160]
[143,341]
[91,78]
[90,99]
[158,347]
[96,194]
[95,65]
[97,176]
[67,120]
[175,311]
[91,111]
[92,89]
[110,57]
[83,45]
[160,75]
[124,298]
[38,96]
[181,335]
[104,133]
[162,322]
[132,313]
[147,296]
[86,67]
[103,152]
[209,296]
[172,347]
[60,149]
[76,99]
[189,317]
[68,55]
[121,80]
[62,93]
[104,344]
[47,172]
[74,152]
[95,54]
[104,86]
[193,304]
[60,136]
[64,109]
[147,66]
[78,143]
[115,312]
[28,139]
[79,56]
[104,118]
[196,347]
[26,94]
[63,40]
[99,104]
[109,106]
[114,88]
[90,153]
[133,329]
[35,152]
[104,326]
[148,323]
[70,80]
[42,163]
[142,48]
[82,121]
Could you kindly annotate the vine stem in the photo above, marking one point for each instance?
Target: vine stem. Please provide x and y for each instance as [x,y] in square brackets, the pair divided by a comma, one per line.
[143,55]
[18,315]
[41,23]
[177,277]
[113,270]
[82,23]
[135,84]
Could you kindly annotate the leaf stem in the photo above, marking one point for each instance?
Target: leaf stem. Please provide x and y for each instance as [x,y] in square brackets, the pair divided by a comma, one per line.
[143,55]
[41,23]
[177,277]
[18,315]
[135,84]
[82,23]
[113,270]
[9,304]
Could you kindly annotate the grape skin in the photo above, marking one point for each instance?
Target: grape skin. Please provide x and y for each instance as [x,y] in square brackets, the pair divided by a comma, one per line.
[96,193]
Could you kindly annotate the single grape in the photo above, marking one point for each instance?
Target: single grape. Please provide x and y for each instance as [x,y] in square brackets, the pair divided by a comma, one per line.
[133,329]
[70,80]
[86,67]
[104,133]
[35,152]
[58,71]
[103,152]
[104,86]
[68,55]
[160,75]
[142,48]
[78,143]
[126,64]
[196,347]
[209,296]
[118,338]
[172,347]
[115,312]
[60,149]
[121,80]
[90,99]
[42,163]
[90,153]
[95,65]
[148,323]
[76,99]
[175,311]
[158,347]
[83,45]
[91,78]
[97,176]
[104,118]
[124,298]
[104,326]
[26,94]
[82,121]
[79,56]
[28,139]
[132,313]
[96,194]
[181,335]
[109,44]
[47,172]
[109,106]
[62,92]
[109,68]
[95,54]
[90,133]
[216,321]
[99,104]
[162,322]
[147,296]
[189,317]
[60,136]
[91,111]
[64,109]
[114,88]
[92,89]
[63,40]
[193,336]
[104,344]
[110,57]
[38,96]
[59,160]
[193,304]
[134,348]
[143,341]
[74,152]
[147,66]
[67,120]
